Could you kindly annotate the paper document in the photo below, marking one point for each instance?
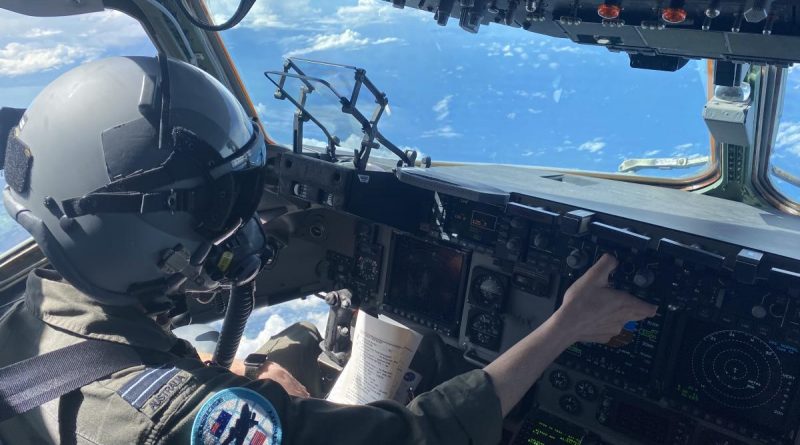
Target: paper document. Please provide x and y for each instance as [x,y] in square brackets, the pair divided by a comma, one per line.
[382,351]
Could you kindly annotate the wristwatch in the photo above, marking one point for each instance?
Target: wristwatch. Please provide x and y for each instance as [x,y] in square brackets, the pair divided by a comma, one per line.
[252,365]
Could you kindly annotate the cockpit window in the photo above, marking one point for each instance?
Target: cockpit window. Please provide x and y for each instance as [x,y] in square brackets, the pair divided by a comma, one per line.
[785,160]
[11,233]
[502,96]
[34,51]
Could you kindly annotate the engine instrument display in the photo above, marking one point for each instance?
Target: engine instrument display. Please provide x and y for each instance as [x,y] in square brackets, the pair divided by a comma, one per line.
[427,280]
[737,374]
[485,329]
[541,428]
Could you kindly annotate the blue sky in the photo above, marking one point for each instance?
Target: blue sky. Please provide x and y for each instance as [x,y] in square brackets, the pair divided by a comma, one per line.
[503,95]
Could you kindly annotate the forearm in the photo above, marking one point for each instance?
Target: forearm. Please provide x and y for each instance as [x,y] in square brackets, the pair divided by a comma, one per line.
[517,369]
[237,367]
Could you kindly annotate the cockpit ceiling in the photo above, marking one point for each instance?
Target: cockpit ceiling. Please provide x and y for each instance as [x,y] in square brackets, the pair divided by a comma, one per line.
[754,31]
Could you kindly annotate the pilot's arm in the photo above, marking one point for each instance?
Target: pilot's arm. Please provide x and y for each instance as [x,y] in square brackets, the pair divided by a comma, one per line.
[467,409]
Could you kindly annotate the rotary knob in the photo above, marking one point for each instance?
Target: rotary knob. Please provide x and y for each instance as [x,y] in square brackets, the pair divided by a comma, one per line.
[517,223]
[513,244]
[541,241]
[577,259]
[644,277]
[758,311]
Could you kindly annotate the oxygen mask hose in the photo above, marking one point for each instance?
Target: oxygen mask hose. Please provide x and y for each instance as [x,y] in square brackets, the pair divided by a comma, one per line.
[240,305]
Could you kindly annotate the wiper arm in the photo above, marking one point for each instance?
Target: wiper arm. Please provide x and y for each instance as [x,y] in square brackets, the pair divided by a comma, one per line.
[634,165]
[786,176]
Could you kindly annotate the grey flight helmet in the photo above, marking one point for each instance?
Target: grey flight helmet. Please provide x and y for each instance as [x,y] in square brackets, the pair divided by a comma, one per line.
[139,177]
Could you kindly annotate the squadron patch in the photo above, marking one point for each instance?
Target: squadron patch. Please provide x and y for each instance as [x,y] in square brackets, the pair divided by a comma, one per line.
[237,416]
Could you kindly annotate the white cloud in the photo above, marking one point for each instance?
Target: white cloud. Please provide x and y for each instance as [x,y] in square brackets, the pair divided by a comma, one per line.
[442,108]
[37,44]
[267,13]
[565,49]
[366,12]
[36,33]
[18,58]
[347,40]
[682,147]
[553,65]
[386,40]
[248,345]
[557,95]
[531,94]
[788,138]
[313,142]
[511,115]
[651,153]
[593,146]
[497,49]
[534,111]
[446,132]
[261,109]
[273,319]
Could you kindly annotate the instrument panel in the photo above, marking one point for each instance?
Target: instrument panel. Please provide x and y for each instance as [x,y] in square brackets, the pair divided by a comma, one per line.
[718,364]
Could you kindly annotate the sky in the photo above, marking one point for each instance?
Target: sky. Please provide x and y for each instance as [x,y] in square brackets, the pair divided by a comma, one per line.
[501,96]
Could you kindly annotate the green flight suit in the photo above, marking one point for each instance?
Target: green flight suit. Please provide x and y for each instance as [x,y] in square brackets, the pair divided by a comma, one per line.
[121,409]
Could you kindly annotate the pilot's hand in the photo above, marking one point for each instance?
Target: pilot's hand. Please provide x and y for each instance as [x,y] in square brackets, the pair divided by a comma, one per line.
[594,312]
[279,374]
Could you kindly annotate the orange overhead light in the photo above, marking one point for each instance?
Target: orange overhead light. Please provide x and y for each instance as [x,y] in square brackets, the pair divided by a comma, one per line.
[608,11]
[674,15]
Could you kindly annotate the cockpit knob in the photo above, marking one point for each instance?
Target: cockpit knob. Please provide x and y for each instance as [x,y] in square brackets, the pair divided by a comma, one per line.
[577,259]
[513,243]
[759,11]
[541,241]
[517,222]
[758,311]
[512,8]
[644,277]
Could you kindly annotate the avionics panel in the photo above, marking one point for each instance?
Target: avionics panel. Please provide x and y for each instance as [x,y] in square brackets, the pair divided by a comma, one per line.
[470,222]
[718,363]
[484,272]
[426,283]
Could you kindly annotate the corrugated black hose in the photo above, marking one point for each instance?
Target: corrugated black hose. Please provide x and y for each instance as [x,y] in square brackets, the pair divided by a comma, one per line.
[240,305]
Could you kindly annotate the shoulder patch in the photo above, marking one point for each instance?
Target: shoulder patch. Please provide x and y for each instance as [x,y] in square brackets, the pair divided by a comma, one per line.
[237,416]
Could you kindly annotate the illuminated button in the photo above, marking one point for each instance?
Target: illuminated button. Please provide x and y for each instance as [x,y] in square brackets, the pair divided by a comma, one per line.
[608,12]
[674,15]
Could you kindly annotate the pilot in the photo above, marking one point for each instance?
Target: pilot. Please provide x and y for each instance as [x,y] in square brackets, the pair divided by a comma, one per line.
[130,173]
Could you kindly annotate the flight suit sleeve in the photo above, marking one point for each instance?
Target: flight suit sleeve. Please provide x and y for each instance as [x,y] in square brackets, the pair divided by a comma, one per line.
[463,410]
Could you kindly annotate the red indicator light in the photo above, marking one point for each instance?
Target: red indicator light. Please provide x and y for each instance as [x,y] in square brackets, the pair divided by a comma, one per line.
[674,15]
[608,12]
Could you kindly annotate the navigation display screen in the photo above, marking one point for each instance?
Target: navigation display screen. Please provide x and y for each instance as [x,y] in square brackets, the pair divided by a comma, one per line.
[427,279]
[737,374]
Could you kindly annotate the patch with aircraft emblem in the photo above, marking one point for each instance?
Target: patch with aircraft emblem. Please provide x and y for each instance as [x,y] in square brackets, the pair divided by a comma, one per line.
[237,416]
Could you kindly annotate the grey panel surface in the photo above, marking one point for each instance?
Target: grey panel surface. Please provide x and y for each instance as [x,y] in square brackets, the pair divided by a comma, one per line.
[701,215]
